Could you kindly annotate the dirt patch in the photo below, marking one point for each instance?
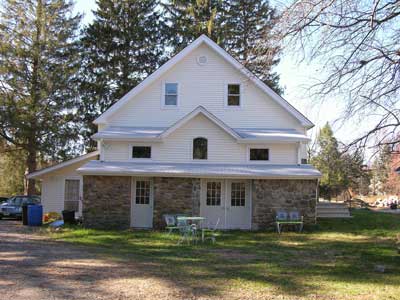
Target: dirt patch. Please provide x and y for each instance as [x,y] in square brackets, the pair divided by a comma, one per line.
[36,268]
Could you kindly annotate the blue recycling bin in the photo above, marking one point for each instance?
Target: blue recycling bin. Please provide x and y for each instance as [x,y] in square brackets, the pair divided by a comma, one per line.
[35,215]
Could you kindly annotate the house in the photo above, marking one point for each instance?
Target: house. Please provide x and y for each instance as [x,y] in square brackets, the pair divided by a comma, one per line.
[200,136]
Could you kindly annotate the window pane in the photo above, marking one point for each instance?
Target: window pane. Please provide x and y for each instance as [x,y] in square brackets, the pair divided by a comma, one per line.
[142,192]
[238,194]
[213,193]
[233,89]
[171,88]
[200,148]
[259,154]
[141,152]
[233,100]
[171,99]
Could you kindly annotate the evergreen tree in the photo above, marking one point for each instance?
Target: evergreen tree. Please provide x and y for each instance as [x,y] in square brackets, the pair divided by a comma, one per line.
[247,36]
[122,46]
[328,162]
[381,169]
[188,19]
[242,27]
[12,170]
[37,67]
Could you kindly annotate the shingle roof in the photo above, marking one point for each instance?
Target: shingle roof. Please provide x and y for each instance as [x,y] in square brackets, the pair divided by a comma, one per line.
[199,170]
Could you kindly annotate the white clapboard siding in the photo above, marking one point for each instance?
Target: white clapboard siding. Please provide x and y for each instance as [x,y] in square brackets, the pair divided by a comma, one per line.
[222,148]
[53,187]
[206,86]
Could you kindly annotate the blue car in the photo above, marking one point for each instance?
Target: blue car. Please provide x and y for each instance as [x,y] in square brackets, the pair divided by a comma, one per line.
[12,208]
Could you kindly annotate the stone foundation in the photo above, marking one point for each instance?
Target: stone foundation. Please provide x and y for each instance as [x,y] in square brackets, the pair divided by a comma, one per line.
[106,201]
[175,196]
[269,196]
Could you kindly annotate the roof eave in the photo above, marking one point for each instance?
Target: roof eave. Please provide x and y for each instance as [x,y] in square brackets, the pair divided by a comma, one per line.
[195,175]
[40,173]
[128,139]
[271,140]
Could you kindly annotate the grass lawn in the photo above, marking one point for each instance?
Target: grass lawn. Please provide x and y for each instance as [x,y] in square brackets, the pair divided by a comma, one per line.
[335,259]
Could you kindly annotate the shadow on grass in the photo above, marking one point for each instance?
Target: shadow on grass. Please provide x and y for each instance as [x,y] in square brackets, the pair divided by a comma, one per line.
[340,251]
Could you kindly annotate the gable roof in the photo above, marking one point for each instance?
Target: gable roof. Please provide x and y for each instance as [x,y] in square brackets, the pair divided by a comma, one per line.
[174,60]
[61,165]
[200,110]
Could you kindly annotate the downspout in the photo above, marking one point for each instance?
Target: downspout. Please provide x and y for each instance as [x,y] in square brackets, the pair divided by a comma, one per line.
[316,200]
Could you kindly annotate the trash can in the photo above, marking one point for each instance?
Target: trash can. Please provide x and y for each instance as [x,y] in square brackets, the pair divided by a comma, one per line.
[35,215]
[68,216]
[24,214]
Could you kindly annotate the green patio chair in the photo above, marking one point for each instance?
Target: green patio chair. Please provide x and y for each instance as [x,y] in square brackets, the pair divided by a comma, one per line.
[210,232]
[171,223]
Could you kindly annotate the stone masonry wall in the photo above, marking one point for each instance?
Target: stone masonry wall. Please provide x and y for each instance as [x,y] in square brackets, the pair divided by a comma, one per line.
[106,201]
[174,196]
[269,196]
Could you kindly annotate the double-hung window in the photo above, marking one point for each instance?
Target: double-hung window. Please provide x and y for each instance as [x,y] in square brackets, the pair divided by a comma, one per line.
[233,95]
[170,95]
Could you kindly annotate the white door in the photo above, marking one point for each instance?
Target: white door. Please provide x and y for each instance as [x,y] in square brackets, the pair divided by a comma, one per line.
[142,203]
[212,202]
[238,208]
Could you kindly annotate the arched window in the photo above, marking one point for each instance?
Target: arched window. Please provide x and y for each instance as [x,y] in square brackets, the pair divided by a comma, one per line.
[200,148]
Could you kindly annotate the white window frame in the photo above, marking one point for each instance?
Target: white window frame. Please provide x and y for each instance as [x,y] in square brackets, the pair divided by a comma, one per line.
[140,145]
[226,94]
[258,161]
[163,105]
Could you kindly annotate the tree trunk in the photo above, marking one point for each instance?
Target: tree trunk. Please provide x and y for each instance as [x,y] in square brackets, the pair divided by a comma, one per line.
[32,165]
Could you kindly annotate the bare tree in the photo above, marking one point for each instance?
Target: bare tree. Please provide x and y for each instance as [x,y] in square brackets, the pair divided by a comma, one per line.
[358,45]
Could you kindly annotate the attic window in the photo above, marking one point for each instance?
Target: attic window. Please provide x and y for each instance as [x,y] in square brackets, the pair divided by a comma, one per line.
[233,95]
[171,95]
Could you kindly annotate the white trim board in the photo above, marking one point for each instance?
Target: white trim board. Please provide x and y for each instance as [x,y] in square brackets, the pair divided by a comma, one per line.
[102,119]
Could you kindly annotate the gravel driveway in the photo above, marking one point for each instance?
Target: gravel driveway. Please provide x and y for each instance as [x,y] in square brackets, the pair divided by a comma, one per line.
[35,268]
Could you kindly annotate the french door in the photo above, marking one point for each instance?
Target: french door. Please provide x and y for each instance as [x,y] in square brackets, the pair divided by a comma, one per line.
[227,201]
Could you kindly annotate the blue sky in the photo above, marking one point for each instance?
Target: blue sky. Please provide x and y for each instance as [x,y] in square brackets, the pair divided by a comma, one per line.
[296,78]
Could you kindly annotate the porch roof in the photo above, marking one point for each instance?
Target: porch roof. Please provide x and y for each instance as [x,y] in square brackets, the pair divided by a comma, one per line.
[198,170]
[245,135]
